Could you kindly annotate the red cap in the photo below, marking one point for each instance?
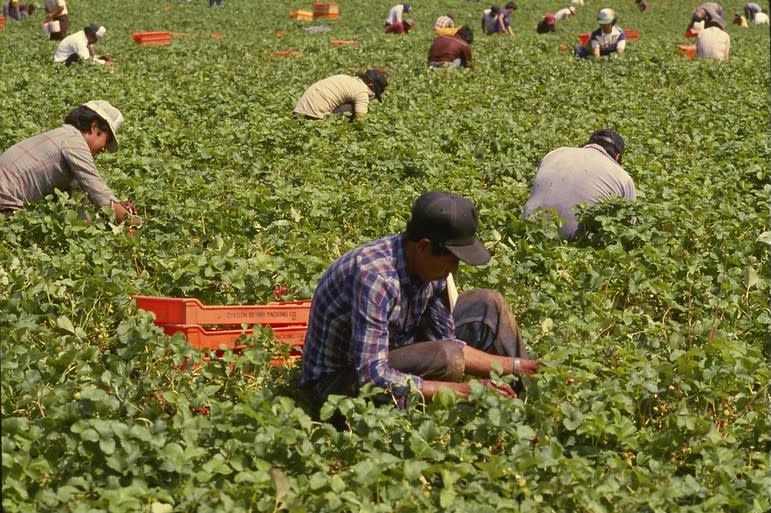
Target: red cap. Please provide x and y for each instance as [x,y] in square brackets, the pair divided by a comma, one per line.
[550,19]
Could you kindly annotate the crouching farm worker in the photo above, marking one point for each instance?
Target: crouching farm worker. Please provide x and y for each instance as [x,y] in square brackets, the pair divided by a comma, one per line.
[341,94]
[63,159]
[80,46]
[608,39]
[713,42]
[452,51]
[569,176]
[380,314]
[395,22]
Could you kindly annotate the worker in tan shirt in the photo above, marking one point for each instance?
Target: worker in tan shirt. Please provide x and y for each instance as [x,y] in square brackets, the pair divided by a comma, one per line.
[341,94]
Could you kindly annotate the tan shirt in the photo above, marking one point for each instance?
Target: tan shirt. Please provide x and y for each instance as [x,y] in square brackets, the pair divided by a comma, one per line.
[326,95]
[713,43]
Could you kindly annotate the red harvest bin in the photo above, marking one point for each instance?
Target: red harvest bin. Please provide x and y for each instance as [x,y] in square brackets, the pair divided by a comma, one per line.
[287,319]
[152,38]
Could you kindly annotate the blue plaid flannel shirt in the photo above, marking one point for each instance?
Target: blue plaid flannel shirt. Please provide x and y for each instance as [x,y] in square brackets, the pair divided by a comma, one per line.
[366,304]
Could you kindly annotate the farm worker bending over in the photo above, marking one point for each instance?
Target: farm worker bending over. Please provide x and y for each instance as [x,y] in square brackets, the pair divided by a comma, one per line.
[341,94]
[570,176]
[751,9]
[63,159]
[490,20]
[80,46]
[381,313]
[704,13]
[547,24]
[445,25]
[713,42]
[452,51]
[606,40]
[394,22]
[565,13]
[504,19]
[56,10]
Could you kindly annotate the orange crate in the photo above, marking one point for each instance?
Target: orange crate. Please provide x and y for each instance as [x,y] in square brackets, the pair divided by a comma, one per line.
[178,310]
[689,51]
[632,35]
[343,42]
[152,38]
[302,15]
[287,53]
[330,11]
[201,338]
[2,21]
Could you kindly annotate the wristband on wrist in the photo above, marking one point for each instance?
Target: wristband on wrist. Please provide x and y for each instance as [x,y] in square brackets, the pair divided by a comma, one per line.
[517,365]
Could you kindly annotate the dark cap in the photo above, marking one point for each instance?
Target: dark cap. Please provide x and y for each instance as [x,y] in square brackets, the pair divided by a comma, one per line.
[610,137]
[377,80]
[450,221]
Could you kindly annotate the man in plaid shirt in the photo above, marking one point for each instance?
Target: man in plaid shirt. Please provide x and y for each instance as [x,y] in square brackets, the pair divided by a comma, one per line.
[381,313]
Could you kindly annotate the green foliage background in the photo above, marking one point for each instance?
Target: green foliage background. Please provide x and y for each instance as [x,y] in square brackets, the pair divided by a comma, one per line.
[655,326]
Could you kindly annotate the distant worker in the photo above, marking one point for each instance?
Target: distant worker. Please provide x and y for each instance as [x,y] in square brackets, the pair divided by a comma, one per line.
[565,13]
[569,176]
[642,5]
[63,159]
[490,20]
[56,10]
[608,39]
[713,42]
[444,21]
[547,24]
[395,23]
[504,19]
[750,10]
[342,94]
[740,20]
[80,46]
[452,51]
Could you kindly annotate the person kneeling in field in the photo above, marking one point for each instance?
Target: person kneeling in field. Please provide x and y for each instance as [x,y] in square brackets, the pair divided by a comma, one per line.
[381,314]
[341,94]
[63,159]
[607,40]
[452,51]
[80,46]
[568,176]
[713,42]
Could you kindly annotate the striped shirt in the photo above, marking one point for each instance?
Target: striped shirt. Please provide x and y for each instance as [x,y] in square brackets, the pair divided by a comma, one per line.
[57,159]
[366,304]
[614,41]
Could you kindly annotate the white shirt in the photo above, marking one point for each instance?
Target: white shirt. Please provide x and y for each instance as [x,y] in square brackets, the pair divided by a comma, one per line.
[395,14]
[713,43]
[562,14]
[760,18]
[74,43]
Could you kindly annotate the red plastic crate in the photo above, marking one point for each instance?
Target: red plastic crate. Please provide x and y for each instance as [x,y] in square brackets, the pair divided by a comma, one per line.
[177,310]
[201,338]
[689,51]
[152,38]
[2,21]
[287,319]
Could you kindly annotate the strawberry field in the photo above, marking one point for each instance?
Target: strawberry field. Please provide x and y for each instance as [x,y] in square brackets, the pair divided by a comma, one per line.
[654,328]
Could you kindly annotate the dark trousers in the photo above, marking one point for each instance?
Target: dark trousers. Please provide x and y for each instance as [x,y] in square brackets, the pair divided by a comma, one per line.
[483,320]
